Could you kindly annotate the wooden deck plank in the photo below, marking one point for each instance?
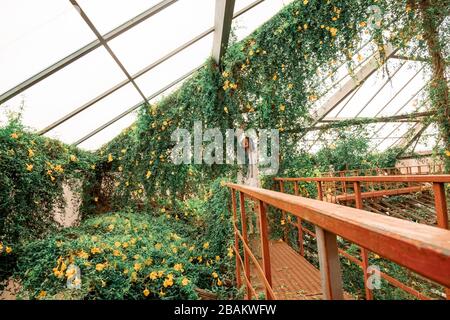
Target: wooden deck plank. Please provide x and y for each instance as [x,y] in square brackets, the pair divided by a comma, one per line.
[294,278]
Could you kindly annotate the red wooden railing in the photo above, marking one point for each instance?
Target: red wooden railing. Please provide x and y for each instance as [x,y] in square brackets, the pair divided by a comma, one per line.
[421,248]
[436,181]
[433,168]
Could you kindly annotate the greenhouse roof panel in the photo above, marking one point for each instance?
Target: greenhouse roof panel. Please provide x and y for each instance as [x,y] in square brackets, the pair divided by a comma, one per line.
[47,31]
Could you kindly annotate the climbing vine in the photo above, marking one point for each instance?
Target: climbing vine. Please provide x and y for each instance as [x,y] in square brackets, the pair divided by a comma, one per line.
[267,80]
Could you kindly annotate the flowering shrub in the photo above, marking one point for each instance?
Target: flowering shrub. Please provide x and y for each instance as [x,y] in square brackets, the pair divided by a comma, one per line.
[121,256]
[32,171]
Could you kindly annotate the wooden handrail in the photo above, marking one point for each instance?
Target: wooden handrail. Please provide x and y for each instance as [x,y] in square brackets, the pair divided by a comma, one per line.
[419,167]
[421,248]
[438,178]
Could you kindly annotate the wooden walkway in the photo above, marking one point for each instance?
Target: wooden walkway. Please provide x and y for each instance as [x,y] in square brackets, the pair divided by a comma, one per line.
[293,277]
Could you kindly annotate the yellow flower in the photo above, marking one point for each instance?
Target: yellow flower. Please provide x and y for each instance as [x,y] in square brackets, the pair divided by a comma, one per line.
[42,294]
[290,85]
[362,24]
[226,85]
[148,174]
[1,247]
[117,244]
[8,250]
[110,157]
[93,167]
[282,107]
[70,273]
[168,282]
[146,292]
[100,267]
[29,167]
[305,26]
[282,222]
[95,250]
[116,253]
[305,2]
[14,135]
[73,158]
[225,109]
[206,245]
[162,293]
[153,275]
[158,246]
[120,168]
[219,282]
[111,227]
[137,266]
[275,77]
[123,151]
[30,153]
[125,245]
[185,281]
[333,31]
[83,255]
[225,74]
[447,153]
[217,258]
[230,252]
[215,275]
[148,261]
[57,273]
[178,267]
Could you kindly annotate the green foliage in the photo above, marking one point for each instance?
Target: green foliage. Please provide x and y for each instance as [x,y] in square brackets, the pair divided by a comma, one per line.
[352,151]
[32,172]
[265,81]
[121,255]
[218,218]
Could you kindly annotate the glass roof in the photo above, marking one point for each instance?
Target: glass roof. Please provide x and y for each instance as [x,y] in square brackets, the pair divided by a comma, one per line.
[156,51]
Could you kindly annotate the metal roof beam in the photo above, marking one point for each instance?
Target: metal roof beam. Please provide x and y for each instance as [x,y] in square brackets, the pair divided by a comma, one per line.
[360,76]
[141,72]
[222,26]
[106,46]
[136,106]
